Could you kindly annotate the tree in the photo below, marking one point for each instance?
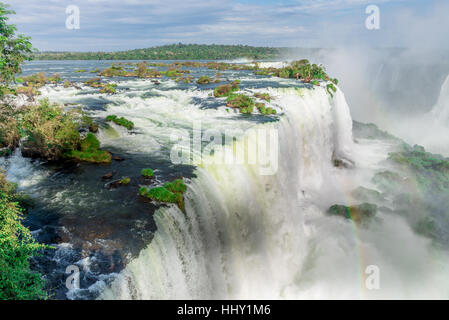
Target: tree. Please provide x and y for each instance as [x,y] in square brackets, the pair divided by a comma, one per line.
[17,280]
[14,50]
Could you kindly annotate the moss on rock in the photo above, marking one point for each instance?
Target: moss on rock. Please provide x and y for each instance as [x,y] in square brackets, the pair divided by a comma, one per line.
[121,121]
[170,192]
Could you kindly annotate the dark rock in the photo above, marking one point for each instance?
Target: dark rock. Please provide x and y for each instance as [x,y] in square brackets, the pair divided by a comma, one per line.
[342,163]
[108,176]
[114,184]
[93,128]
[118,158]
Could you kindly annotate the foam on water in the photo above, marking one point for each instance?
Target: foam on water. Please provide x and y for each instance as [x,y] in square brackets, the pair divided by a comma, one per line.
[249,236]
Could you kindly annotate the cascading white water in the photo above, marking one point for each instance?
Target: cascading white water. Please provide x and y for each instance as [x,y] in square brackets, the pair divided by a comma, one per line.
[243,235]
[441,109]
[246,235]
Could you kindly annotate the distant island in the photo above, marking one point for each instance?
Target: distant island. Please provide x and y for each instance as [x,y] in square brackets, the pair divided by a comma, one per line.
[171,52]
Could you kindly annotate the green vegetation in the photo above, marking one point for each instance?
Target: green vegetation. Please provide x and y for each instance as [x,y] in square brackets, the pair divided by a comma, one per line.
[170,52]
[48,130]
[113,71]
[240,101]
[171,192]
[14,49]
[17,280]
[430,171]
[204,80]
[174,73]
[301,70]
[94,83]
[331,88]
[109,88]
[147,173]
[263,96]
[9,130]
[358,213]
[89,151]
[225,89]
[31,84]
[121,121]
[125,181]
[263,110]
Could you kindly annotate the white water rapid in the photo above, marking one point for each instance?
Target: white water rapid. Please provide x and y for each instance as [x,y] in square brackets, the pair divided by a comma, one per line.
[252,236]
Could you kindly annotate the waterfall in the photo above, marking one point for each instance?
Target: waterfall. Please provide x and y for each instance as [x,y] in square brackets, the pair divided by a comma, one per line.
[441,109]
[243,233]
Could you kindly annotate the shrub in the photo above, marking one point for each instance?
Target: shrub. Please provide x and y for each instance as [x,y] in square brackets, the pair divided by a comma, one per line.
[176,186]
[204,80]
[49,131]
[143,191]
[113,71]
[171,192]
[141,70]
[125,181]
[94,83]
[109,88]
[172,73]
[17,281]
[223,90]
[148,173]
[244,103]
[9,131]
[263,96]
[89,151]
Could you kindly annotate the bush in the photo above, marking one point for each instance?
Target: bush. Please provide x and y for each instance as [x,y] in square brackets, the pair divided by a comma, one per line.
[171,192]
[223,90]
[9,131]
[148,173]
[94,83]
[263,96]
[244,103]
[125,181]
[17,280]
[49,131]
[263,110]
[89,151]
[121,121]
[204,80]
[109,88]
[176,186]
[113,71]
[10,190]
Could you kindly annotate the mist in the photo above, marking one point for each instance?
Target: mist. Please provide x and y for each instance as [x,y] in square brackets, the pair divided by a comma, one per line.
[396,80]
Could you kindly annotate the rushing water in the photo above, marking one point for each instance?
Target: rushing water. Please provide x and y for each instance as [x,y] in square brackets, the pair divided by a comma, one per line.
[244,234]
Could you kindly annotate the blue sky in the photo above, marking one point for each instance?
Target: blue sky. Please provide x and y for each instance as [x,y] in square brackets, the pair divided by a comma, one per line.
[109,25]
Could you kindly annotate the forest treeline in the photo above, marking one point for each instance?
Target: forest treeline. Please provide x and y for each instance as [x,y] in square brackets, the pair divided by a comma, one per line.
[171,52]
